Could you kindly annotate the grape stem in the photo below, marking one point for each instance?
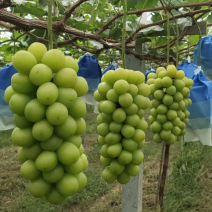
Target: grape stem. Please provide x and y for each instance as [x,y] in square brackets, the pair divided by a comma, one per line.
[13,32]
[49,25]
[159,176]
[168,37]
[124,32]
[200,38]
[168,28]
[177,47]
[177,38]
[14,40]
[163,177]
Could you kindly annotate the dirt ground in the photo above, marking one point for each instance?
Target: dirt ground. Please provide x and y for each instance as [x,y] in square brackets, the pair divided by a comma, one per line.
[188,187]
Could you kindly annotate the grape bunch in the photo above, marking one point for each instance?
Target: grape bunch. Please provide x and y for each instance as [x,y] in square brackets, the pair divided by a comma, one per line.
[122,97]
[170,91]
[48,114]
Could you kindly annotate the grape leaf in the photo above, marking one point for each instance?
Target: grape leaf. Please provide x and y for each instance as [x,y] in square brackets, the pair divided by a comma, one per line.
[146,4]
[209,18]
[29,9]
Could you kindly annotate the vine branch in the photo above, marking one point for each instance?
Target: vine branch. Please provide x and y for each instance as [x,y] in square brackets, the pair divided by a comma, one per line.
[124,32]
[26,25]
[164,175]
[190,14]
[49,24]
[71,9]
[139,12]
[6,3]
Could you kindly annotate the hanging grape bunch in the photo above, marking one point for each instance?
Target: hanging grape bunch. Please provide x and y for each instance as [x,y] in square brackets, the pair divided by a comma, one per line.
[122,97]
[170,91]
[49,122]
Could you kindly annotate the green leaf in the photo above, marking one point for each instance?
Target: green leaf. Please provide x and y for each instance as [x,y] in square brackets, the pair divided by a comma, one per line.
[193,39]
[172,53]
[194,1]
[143,40]
[94,14]
[161,41]
[209,18]
[87,7]
[60,8]
[131,4]
[155,52]
[152,29]
[116,33]
[142,4]
[132,25]
[43,3]
[37,32]
[82,26]
[156,17]
[5,46]
[29,9]
[114,2]
[177,2]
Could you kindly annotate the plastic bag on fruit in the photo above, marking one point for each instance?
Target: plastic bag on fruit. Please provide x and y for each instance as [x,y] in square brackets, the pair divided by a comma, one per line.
[188,68]
[6,116]
[149,70]
[112,66]
[199,127]
[91,71]
[206,52]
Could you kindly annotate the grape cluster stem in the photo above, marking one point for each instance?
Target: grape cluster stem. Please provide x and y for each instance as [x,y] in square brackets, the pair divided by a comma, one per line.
[163,177]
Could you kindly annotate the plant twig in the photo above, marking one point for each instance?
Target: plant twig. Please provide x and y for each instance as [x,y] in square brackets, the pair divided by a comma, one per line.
[28,24]
[173,41]
[8,26]
[21,35]
[139,12]
[5,4]
[49,24]
[37,38]
[177,38]
[124,32]
[166,155]
[159,176]
[163,178]
[190,14]
[168,31]
[186,48]
[71,9]
[24,24]
[200,38]
[5,41]
[14,39]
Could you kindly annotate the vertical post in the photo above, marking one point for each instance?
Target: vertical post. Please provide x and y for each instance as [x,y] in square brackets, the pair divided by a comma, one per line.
[132,192]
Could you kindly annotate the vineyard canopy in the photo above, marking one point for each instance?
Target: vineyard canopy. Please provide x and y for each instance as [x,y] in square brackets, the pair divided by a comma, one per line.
[95,26]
